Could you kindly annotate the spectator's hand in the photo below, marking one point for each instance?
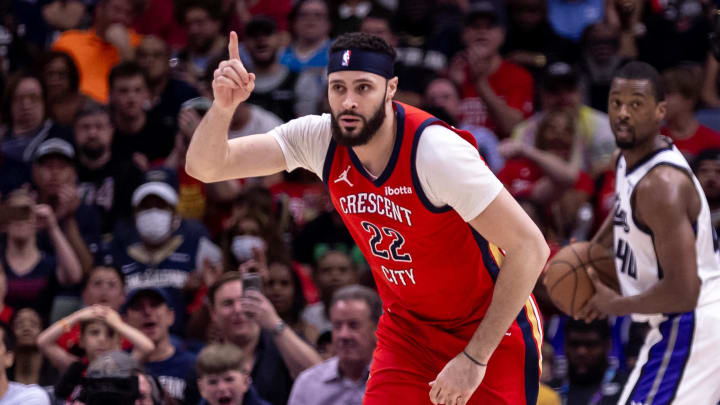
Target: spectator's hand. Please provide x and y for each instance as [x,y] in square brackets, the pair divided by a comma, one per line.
[510,148]
[457,381]
[260,309]
[210,272]
[110,316]
[45,216]
[458,68]
[93,312]
[141,161]
[602,302]
[117,34]
[526,58]
[257,264]
[479,59]
[232,84]
[188,120]
[68,201]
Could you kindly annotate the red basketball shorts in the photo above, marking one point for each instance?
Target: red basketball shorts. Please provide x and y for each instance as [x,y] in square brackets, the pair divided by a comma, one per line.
[411,354]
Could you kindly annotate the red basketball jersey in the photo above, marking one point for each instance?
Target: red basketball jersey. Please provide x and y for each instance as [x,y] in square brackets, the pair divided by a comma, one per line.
[427,261]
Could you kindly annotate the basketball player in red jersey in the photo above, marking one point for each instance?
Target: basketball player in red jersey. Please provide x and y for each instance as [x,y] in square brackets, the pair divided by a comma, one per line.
[459,323]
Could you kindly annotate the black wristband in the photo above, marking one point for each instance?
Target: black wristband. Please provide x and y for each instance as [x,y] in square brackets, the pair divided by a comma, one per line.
[473,360]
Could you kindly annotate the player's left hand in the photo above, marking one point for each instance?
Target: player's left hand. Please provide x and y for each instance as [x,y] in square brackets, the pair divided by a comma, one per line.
[601,304]
[457,381]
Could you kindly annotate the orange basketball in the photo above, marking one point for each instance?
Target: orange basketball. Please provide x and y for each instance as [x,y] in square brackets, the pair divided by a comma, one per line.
[566,277]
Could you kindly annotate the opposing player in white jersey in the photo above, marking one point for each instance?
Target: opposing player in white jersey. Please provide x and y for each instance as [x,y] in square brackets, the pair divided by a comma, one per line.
[666,253]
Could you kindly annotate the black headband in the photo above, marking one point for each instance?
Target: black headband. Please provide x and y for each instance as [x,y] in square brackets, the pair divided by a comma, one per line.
[366,61]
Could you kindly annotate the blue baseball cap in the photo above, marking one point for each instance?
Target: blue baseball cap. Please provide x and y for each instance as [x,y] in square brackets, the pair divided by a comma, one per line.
[138,292]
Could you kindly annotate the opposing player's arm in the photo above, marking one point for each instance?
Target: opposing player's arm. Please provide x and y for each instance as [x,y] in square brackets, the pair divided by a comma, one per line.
[505,224]
[211,157]
[666,200]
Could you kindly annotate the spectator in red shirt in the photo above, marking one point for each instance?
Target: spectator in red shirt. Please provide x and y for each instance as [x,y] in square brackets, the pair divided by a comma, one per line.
[543,175]
[495,93]
[683,85]
[6,312]
[104,285]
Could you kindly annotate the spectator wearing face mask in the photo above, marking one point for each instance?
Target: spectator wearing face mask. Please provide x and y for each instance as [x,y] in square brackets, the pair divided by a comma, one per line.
[161,250]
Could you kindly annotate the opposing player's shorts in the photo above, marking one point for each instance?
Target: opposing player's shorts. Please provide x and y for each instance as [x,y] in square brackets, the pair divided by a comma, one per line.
[410,354]
[680,361]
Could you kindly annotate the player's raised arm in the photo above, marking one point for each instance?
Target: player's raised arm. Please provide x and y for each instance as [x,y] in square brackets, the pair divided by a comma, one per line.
[211,157]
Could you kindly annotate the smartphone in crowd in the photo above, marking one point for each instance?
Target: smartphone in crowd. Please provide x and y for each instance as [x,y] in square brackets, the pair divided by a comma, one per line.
[252,281]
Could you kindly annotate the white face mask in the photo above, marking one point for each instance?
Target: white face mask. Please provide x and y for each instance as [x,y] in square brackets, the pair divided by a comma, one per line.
[243,245]
[154,224]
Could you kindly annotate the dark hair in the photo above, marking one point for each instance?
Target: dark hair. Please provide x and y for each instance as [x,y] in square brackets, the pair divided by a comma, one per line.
[362,293]
[8,337]
[127,69]
[84,325]
[97,268]
[362,41]
[218,358]
[712,154]
[17,311]
[590,30]
[685,79]
[74,74]
[298,302]
[13,83]
[212,7]
[224,278]
[643,71]
[546,121]
[599,326]
[91,107]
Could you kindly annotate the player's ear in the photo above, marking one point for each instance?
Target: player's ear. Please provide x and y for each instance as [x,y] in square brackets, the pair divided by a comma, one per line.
[660,110]
[391,88]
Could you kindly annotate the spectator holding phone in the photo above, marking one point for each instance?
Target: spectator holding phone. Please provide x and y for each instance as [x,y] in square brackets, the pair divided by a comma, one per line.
[247,319]
[32,274]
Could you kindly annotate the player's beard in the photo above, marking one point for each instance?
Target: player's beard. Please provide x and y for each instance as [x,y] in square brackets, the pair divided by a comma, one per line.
[368,131]
[629,143]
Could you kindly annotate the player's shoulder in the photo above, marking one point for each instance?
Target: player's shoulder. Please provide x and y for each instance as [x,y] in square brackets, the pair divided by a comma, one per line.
[310,122]
[439,135]
[664,187]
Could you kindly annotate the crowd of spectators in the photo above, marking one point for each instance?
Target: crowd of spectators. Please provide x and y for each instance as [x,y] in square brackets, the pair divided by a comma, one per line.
[113,258]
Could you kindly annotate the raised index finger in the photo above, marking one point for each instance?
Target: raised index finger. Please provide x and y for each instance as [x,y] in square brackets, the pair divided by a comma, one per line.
[233,46]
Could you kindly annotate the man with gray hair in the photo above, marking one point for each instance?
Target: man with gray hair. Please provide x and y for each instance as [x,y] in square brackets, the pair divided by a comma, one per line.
[354,313]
